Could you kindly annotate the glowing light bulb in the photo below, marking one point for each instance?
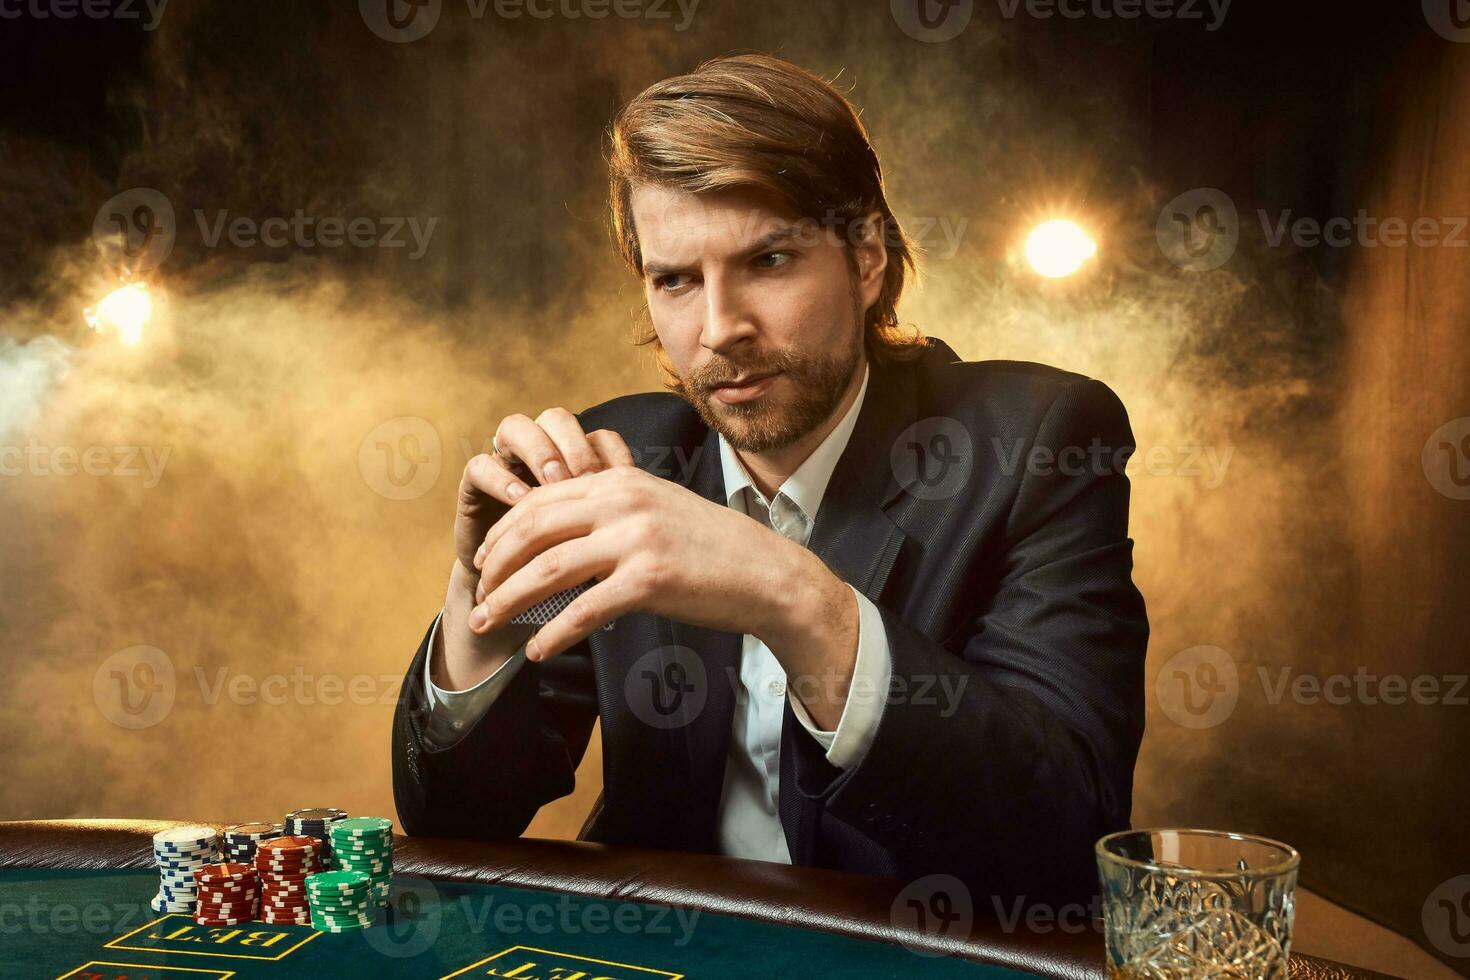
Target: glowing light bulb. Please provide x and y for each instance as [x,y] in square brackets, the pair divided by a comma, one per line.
[1058,248]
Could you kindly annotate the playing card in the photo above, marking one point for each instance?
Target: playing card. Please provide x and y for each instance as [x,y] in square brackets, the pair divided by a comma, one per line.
[544,611]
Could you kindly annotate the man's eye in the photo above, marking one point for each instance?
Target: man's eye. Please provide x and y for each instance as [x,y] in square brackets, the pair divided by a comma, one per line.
[663,282]
[772,255]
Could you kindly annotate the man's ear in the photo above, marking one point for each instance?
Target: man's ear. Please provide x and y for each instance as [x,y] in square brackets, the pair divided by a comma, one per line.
[872,256]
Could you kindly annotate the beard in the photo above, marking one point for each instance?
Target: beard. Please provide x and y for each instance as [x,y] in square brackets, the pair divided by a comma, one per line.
[763,424]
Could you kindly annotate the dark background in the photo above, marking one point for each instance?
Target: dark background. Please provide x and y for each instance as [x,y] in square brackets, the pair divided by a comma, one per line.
[268,546]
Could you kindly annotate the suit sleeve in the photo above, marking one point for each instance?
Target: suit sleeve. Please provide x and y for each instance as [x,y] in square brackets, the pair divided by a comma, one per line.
[1004,763]
[521,754]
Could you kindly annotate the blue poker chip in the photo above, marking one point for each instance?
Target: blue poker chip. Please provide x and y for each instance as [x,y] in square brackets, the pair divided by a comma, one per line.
[163,907]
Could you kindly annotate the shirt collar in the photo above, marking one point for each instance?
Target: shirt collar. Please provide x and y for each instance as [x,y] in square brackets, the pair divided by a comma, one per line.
[806,487]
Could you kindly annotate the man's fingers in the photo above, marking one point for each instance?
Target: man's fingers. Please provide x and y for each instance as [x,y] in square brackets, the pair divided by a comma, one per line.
[598,606]
[553,570]
[520,438]
[611,447]
[570,441]
[485,474]
[529,532]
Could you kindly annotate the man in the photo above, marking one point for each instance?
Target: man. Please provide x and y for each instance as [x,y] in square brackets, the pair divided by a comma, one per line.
[871,605]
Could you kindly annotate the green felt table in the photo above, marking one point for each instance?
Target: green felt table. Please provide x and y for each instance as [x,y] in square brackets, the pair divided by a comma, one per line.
[96,925]
[74,903]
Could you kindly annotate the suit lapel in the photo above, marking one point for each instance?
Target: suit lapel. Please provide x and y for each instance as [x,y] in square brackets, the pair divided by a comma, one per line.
[706,740]
[853,534]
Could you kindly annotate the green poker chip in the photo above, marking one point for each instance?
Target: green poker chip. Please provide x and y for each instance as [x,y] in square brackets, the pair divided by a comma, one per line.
[362,827]
[337,881]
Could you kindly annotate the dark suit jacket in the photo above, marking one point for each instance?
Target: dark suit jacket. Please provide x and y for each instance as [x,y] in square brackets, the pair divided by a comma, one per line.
[1009,582]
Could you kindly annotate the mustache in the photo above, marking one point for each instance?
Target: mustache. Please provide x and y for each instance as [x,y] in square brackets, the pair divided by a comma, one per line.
[713,375]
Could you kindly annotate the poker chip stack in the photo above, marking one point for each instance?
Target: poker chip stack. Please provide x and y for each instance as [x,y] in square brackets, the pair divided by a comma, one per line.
[228,894]
[341,901]
[283,865]
[365,845]
[242,839]
[316,822]
[179,853]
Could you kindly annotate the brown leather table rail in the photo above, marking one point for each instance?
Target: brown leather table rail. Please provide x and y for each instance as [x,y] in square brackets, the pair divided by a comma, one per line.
[808,898]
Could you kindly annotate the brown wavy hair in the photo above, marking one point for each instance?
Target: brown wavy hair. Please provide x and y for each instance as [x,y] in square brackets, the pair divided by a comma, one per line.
[756,122]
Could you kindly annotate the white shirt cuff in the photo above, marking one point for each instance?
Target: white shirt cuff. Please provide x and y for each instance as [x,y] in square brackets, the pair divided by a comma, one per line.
[866,695]
[454,713]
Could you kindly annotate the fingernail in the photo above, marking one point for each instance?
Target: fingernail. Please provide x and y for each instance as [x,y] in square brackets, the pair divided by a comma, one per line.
[554,471]
[478,618]
[479,556]
[479,592]
[516,490]
[533,650]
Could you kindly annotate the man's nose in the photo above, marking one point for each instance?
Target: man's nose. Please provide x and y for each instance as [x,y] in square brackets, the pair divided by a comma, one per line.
[728,318]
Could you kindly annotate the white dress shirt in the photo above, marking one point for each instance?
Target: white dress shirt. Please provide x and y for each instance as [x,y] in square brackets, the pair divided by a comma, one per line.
[749,816]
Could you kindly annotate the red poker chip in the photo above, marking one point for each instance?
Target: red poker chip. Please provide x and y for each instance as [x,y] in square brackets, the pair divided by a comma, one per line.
[249,888]
[224,871]
[227,898]
[228,902]
[306,867]
[288,845]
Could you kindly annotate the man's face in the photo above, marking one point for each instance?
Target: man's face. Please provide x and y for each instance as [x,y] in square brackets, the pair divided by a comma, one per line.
[739,290]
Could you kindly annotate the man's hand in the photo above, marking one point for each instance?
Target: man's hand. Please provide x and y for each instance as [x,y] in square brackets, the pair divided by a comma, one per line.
[551,448]
[653,546]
